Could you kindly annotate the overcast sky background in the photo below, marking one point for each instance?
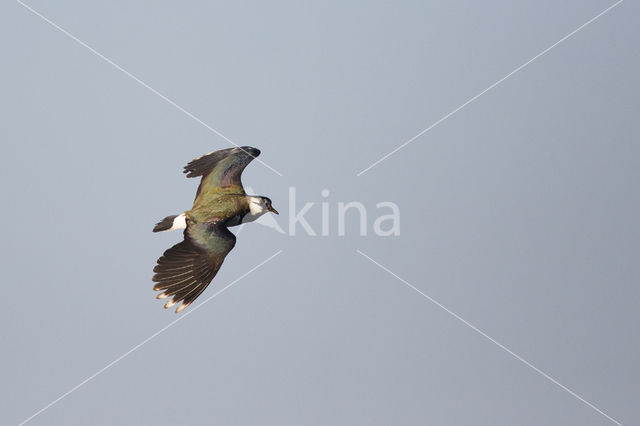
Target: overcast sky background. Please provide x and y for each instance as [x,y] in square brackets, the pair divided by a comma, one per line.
[519,213]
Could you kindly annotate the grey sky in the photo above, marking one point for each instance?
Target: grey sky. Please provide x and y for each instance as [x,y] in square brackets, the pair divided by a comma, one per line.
[519,213]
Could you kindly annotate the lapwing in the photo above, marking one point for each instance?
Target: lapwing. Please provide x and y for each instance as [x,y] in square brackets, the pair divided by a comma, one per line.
[186,269]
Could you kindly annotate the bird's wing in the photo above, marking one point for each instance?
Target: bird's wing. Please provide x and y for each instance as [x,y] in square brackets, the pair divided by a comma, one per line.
[186,269]
[221,170]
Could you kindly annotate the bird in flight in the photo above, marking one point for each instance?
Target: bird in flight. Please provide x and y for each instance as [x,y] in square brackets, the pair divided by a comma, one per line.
[186,269]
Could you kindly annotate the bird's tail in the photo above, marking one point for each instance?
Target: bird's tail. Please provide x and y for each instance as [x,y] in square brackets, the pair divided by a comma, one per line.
[170,223]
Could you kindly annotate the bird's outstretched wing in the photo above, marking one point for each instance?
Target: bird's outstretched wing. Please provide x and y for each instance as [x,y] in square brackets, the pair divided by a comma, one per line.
[186,269]
[221,170]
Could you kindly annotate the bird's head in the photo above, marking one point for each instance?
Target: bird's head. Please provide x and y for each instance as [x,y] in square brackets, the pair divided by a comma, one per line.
[269,207]
[261,205]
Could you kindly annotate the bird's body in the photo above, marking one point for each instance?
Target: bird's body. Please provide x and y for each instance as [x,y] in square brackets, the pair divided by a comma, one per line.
[227,207]
[185,270]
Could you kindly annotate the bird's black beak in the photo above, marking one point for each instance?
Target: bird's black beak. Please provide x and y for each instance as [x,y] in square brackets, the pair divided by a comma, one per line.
[272,210]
